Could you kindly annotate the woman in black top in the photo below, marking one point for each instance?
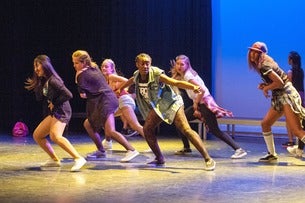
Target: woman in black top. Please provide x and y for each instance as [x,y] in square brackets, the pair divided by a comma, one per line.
[296,76]
[49,87]
[100,106]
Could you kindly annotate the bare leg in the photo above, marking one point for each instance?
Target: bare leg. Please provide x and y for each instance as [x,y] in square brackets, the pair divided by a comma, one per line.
[131,119]
[269,119]
[40,134]
[96,138]
[189,114]
[290,135]
[182,124]
[149,128]
[124,120]
[110,131]
[293,122]
[55,128]
[56,131]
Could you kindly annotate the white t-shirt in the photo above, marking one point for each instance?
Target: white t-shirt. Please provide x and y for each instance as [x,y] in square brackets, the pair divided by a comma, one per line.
[189,76]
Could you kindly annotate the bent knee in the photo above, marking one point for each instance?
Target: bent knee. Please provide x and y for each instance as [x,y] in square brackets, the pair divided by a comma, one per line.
[55,138]
[35,135]
[297,132]
[188,132]
[148,130]
[266,124]
[85,123]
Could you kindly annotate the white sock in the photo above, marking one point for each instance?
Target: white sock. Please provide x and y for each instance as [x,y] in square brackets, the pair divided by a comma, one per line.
[303,139]
[268,137]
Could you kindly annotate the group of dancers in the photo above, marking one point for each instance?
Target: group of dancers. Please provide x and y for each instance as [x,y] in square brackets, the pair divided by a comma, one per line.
[158,100]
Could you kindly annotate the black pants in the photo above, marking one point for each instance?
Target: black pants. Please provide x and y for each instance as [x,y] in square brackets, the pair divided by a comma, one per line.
[300,143]
[211,122]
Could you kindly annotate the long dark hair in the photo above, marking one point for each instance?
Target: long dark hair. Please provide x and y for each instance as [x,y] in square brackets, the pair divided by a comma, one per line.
[296,59]
[35,81]
[297,71]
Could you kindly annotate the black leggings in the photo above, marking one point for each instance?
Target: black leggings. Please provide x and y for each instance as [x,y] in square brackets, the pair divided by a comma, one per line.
[211,122]
[300,143]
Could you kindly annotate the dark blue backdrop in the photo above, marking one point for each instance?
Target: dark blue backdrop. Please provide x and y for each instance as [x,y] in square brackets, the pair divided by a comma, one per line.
[116,29]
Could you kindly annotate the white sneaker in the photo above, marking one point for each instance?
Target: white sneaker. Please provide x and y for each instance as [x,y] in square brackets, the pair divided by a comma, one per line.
[239,153]
[107,144]
[295,151]
[210,165]
[147,150]
[79,162]
[130,155]
[51,163]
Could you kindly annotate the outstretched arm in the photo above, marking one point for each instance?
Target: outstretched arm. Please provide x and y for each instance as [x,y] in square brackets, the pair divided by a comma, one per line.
[124,85]
[117,78]
[180,84]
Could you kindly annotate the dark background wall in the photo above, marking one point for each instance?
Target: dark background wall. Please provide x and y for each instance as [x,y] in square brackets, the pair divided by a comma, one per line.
[117,29]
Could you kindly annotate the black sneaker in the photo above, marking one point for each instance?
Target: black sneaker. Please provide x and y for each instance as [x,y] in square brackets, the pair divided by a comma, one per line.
[183,151]
[123,131]
[129,132]
[268,158]
[288,144]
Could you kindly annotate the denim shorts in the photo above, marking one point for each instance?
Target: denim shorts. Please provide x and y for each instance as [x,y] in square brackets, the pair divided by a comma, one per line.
[126,100]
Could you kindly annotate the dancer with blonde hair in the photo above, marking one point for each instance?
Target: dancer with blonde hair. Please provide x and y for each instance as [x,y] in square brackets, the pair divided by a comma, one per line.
[100,106]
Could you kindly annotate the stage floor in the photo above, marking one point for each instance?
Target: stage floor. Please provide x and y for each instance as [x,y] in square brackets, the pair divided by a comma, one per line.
[182,179]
